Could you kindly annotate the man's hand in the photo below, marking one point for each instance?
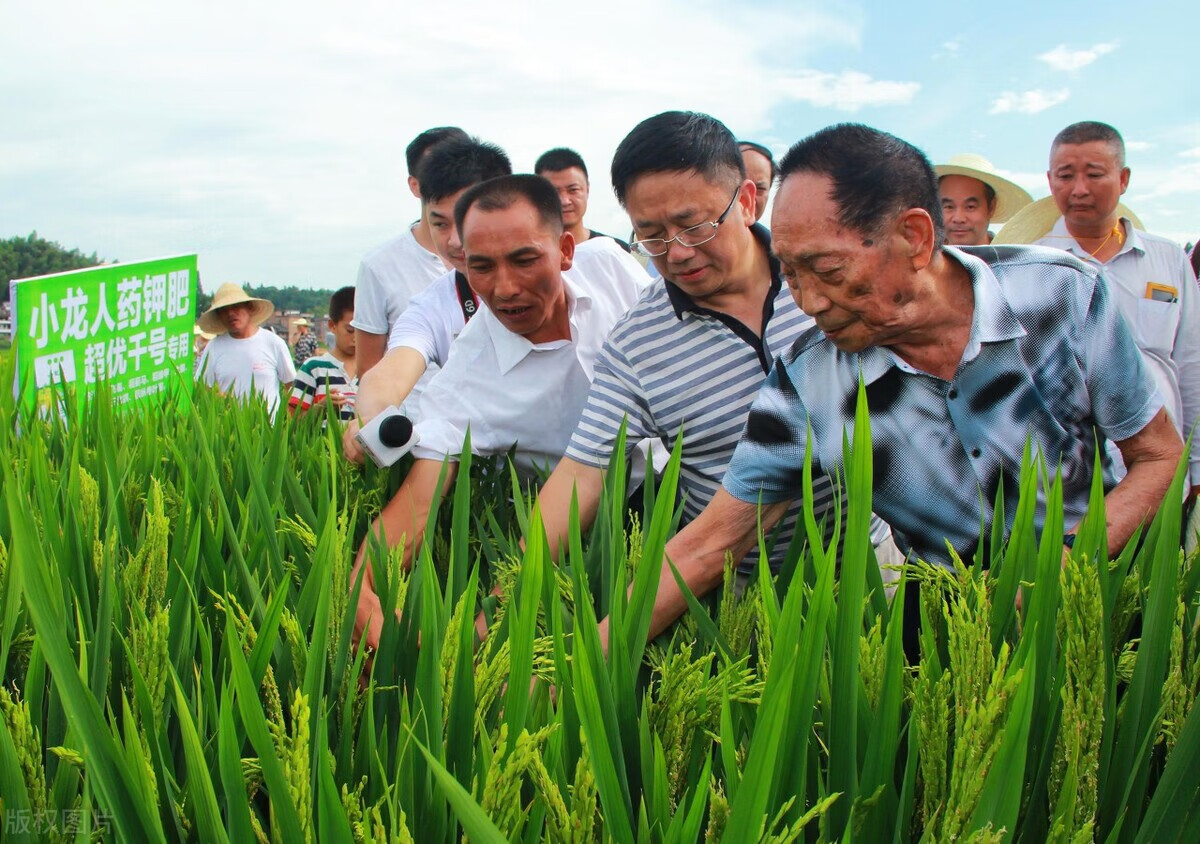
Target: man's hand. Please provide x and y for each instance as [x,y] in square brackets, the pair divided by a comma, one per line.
[350,447]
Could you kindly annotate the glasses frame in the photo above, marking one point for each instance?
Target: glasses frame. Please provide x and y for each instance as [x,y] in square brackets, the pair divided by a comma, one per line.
[640,245]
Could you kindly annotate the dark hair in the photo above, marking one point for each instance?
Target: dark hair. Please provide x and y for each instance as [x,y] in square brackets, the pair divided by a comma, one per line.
[1196,258]
[340,302]
[1086,131]
[558,159]
[673,142]
[503,191]
[425,141]
[875,175]
[763,151]
[459,163]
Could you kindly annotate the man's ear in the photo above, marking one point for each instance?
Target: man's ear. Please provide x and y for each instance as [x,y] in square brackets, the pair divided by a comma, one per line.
[566,244]
[745,200]
[414,186]
[1124,179]
[917,229]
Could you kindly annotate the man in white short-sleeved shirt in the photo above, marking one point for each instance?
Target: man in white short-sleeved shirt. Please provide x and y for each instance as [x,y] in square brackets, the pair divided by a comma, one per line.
[243,359]
[392,273]
[520,371]
[1149,277]
[448,171]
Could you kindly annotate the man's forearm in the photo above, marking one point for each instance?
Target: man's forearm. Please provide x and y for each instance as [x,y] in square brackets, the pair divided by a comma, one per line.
[569,478]
[389,382]
[1151,457]
[368,350]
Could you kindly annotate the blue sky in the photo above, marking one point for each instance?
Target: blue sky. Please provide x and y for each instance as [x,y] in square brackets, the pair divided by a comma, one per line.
[268,136]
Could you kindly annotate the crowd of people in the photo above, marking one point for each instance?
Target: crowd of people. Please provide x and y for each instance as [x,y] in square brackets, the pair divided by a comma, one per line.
[501,312]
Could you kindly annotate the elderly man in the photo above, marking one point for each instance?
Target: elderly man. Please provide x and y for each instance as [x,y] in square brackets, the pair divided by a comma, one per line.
[974,195]
[964,354]
[1151,281]
[521,368]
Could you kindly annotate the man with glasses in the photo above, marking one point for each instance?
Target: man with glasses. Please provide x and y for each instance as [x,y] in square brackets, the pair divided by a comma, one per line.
[691,356]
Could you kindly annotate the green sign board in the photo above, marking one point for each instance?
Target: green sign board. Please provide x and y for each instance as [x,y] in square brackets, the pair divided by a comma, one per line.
[126,325]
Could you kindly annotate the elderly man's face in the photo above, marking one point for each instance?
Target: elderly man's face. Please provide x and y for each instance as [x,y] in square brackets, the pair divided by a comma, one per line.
[1087,181]
[857,289]
[238,319]
[515,263]
[965,210]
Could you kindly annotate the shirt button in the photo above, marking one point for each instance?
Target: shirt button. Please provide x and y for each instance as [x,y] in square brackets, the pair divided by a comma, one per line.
[975,452]
[954,394]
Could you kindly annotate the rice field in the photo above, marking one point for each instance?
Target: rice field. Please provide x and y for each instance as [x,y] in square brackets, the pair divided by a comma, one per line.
[175,640]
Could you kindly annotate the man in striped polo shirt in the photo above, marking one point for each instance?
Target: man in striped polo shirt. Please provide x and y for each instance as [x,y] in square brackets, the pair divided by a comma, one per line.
[691,356]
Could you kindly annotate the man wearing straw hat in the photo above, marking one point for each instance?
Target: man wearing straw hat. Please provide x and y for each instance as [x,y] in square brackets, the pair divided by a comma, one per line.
[973,195]
[306,343]
[243,359]
[1151,280]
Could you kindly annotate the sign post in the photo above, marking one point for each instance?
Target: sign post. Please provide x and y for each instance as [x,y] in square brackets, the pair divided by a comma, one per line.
[126,325]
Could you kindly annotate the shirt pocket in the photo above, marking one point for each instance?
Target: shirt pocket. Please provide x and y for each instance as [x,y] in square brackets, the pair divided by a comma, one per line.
[1157,322]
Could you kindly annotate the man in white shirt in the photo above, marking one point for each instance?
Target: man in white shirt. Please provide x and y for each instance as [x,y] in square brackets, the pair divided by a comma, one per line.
[1149,276]
[520,371]
[392,273]
[242,358]
[447,172]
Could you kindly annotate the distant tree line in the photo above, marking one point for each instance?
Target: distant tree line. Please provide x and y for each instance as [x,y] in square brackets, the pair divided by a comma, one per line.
[24,257]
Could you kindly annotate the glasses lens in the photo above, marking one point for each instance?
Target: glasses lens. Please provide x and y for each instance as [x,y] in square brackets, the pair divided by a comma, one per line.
[697,235]
[651,248]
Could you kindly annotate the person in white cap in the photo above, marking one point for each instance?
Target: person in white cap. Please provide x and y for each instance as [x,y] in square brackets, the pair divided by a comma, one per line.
[242,359]
[973,195]
[1151,280]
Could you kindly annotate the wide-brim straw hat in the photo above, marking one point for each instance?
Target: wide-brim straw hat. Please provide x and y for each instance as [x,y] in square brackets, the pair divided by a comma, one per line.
[1034,221]
[301,321]
[232,294]
[197,331]
[1010,197]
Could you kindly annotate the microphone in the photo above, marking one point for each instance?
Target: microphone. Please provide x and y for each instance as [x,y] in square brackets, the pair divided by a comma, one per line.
[388,437]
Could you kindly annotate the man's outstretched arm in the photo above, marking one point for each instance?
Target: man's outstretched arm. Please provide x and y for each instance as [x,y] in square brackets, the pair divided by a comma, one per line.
[1151,457]
[389,382]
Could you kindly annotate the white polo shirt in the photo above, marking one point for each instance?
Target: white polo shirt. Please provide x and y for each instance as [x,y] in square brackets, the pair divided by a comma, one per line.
[434,317]
[510,391]
[1166,332]
[388,277]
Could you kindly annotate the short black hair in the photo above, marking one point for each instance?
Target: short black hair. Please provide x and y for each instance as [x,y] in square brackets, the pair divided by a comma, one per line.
[989,192]
[458,163]
[875,176]
[501,192]
[763,151]
[341,302]
[673,142]
[425,141]
[558,159]
[1086,131]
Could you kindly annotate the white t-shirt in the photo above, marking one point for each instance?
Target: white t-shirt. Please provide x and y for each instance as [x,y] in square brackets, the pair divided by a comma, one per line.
[389,276]
[510,391]
[259,363]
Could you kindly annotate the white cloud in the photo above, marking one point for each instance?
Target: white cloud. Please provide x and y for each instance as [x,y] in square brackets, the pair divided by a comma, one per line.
[1028,102]
[269,137]
[1138,146]
[1194,152]
[846,91]
[1065,59]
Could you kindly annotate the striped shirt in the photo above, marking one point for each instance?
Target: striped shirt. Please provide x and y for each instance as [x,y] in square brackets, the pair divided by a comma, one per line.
[673,366]
[316,378]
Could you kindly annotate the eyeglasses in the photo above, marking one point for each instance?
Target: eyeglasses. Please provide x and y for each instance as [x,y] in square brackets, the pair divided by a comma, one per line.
[690,237]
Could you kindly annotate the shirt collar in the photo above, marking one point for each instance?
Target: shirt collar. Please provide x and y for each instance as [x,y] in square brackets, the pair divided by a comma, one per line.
[1063,239]
[992,320]
[512,348]
[682,302]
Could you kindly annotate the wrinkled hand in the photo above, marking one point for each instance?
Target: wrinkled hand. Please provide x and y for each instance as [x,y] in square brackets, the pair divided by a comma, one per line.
[350,447]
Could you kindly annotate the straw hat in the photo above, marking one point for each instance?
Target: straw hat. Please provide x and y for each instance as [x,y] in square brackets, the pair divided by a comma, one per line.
[301,321]
[1034,222]
[232,294]
[1010,197]
[197,331]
